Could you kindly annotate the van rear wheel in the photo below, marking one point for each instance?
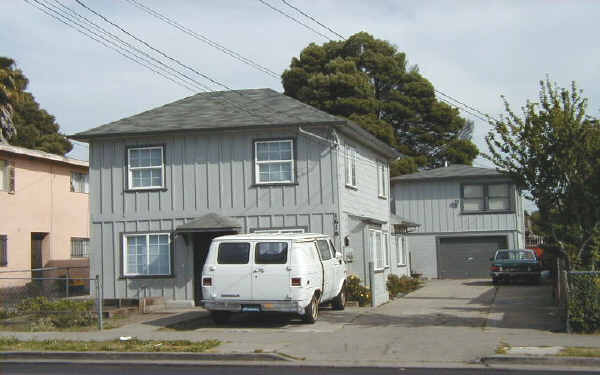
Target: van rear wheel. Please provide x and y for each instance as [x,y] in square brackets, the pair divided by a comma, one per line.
[339,302]
[220,317]
[311,312]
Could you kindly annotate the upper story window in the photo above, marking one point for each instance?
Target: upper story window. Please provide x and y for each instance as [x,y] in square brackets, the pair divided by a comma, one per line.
[79,247]
[274,161]
[80,182]
[486,197]
[7,176]
[350,166]
[382,180]
[146,167]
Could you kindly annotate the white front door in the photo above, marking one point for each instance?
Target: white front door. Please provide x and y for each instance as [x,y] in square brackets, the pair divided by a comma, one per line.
[271,271]
[232,273]
[329,270]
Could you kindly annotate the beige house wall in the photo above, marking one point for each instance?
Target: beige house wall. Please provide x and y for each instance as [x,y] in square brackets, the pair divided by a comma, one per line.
[41,203]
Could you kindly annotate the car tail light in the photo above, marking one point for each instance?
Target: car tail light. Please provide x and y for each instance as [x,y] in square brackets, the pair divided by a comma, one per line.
[296,281]
[495,268]
[207,281]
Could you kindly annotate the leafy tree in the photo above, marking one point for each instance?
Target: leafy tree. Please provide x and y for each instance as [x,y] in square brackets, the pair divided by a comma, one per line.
[24,123]
[553,151]
[368,81]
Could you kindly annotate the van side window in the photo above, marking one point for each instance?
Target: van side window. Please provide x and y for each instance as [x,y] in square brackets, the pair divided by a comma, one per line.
[324,249]
[333,249]
[271,253]
[233,253]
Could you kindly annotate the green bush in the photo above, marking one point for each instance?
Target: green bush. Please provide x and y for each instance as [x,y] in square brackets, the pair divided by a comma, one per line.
[584,302]
[401,285]
[62,313]
[357,292]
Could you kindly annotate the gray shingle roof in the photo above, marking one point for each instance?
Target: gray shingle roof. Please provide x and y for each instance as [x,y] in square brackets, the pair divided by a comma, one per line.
[230,109]
[451,171]
[208,223]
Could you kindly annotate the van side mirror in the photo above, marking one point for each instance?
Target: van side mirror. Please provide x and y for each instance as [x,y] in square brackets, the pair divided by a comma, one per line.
[346,241]
[349,255]
[338,255]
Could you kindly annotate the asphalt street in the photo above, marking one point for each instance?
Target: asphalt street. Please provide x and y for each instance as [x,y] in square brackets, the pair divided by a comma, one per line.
[151,369]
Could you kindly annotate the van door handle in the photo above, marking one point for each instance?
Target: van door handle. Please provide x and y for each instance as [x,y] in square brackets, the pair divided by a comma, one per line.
[261,270]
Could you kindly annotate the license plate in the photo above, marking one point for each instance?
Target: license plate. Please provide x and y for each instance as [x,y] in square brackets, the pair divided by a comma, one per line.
[250,308]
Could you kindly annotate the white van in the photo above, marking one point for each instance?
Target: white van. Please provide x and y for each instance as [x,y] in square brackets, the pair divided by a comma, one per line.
[282,272]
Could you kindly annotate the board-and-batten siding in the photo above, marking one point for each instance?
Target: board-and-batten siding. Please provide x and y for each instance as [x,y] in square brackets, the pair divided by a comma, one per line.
[436,206]
[205,172]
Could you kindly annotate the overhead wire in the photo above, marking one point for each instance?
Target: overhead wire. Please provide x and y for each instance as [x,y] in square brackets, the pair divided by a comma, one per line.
[313,19]
[293,19]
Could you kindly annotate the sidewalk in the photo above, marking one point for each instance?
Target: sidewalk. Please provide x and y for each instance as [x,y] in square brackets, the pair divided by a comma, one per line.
[444,322]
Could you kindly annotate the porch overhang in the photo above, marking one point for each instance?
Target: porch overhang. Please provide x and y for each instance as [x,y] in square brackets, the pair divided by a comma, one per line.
[209,223]
[401,224]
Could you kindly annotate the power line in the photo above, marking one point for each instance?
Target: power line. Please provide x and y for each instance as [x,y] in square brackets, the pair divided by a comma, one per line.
[293,19]
[313,19]
[204,39]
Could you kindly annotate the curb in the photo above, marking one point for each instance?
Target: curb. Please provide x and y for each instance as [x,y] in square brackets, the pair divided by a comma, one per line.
[541,360]
[144,356]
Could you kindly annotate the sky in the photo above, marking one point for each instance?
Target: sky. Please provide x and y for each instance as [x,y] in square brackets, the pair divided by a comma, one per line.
[474,51]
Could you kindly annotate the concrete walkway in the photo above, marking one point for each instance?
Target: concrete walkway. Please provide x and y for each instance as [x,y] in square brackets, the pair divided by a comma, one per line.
[449,321]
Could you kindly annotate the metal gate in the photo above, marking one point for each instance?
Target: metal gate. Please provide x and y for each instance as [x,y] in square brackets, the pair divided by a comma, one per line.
[467,257]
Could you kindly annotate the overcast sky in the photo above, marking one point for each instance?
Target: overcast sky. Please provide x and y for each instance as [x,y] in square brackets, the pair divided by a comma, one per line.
[472,50]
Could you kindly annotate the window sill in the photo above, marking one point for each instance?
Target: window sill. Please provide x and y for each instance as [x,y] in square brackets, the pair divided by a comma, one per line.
[147,277]
[487,212]
[267,184]
[400,265]
[352,187]
[379,270]
[145,190]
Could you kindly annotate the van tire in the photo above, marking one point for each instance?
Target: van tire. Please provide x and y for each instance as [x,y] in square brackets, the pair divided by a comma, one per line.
[220,317]
[339,302]
[311,312]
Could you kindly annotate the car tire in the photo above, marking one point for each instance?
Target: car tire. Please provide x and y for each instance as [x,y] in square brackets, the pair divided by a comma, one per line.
[311,312]
[220,317]
[339,302]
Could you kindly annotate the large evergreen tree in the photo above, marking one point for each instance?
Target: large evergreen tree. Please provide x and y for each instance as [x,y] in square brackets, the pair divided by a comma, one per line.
[23,122]
[368,81]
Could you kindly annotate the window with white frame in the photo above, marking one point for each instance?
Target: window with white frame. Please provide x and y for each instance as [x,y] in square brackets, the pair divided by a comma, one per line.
[350,166]
[386,249]
[377,250]
[401,253]
[274,161]
[146,167]
[80,182]
[3,175]
[382,178]
[146,254]
[79,247]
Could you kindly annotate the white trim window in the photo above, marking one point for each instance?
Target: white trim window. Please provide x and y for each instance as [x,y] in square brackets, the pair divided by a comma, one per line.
[146,168]
[386,247]
[377,251]
[401,253]
[274,161]
[350,166]
[80,182]
[147,254]
[382,186]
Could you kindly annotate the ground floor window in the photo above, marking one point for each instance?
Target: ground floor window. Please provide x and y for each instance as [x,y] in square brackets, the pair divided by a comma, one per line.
[79,247]
[377,249]
[401,253]
[147,254]
[3,250]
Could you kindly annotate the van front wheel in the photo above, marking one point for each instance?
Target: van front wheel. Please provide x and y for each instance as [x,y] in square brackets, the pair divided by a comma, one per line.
[311,312]
[339,302]
[220,317]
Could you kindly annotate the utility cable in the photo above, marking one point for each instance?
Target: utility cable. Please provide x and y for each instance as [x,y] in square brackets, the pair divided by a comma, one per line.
[313,19]
[294,19]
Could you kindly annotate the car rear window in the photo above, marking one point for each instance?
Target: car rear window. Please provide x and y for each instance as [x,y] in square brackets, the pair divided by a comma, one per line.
[271,253]
[233,253]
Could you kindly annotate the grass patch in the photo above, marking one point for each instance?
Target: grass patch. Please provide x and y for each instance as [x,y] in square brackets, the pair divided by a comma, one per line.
[579,351]
[134,345]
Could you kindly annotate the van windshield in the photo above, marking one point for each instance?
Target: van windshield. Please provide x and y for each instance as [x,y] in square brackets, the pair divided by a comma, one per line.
[233,253]
[271,253]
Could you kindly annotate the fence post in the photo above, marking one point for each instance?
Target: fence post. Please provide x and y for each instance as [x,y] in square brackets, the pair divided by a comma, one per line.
[566,291]
[372,282]
[98,301]
[67,283]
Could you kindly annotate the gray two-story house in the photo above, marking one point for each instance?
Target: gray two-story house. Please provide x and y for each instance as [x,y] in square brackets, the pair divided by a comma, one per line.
[164,182]
[464,214]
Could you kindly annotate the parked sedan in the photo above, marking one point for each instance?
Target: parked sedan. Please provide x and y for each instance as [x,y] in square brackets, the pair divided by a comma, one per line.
[513,264]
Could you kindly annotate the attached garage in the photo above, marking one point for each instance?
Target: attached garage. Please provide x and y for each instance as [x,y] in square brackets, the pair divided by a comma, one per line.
[467,257]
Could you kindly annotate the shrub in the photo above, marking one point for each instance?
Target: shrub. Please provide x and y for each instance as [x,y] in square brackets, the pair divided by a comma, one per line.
[357,292]
[59,314]
[401,285]
[584,302]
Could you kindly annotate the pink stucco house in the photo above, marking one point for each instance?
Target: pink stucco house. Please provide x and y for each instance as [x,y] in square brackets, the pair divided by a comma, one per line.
[44,211]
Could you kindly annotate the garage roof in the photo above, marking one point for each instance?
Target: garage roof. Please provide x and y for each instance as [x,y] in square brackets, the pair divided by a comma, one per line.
[451,171]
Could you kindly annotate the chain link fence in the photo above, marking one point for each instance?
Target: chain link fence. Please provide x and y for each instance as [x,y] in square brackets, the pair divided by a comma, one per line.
[49,298]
